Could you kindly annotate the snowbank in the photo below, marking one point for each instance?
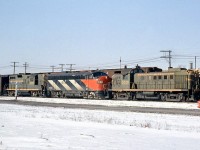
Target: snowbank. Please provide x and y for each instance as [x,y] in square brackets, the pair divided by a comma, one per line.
[29,127]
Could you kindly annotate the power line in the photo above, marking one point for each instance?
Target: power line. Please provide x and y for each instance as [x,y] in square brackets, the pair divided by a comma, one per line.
[2,67]
[188,57]
[116,64]
[53,67]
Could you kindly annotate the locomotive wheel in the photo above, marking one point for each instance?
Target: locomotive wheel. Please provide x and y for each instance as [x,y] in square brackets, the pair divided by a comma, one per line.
[181,98]
[91,95]
[114,96]
[163,97]
[134,97]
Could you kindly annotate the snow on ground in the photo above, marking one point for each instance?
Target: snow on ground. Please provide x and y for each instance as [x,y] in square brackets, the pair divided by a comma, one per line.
[109,102]
[45,128]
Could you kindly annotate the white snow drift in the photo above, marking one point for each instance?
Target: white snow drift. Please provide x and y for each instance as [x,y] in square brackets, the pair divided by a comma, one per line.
[46,128]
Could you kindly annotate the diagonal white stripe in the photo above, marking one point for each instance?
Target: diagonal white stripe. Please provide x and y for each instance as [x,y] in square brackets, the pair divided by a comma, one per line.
[76,85]
[64,84]
[54,84]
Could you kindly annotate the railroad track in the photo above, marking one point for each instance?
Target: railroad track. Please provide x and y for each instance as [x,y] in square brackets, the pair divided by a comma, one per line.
[191,112]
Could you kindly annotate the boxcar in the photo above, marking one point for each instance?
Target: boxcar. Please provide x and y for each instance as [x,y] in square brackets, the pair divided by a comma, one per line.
[4,83]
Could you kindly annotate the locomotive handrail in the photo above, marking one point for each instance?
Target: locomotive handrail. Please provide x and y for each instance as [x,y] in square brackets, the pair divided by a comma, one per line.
[150,90]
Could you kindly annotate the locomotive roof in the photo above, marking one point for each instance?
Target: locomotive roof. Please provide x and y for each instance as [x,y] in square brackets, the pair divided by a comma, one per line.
[82,73]
[128,70]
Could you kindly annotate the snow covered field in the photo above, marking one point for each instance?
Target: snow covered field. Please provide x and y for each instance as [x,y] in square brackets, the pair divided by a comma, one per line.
[30,128]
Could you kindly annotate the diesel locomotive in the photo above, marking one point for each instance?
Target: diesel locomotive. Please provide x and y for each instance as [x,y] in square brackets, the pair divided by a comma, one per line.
[83,84]
[91,85]
[175,84]
[26,84]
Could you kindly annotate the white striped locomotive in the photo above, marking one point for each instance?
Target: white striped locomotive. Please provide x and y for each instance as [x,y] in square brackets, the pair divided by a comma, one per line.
[78,84]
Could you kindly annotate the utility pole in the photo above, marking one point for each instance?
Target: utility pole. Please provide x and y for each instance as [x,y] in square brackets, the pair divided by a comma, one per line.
[16,91]
[25,65]
[120,61]
[195,62]
[167,56]
[14,66]
[61,67]
[52,68]
[70,69]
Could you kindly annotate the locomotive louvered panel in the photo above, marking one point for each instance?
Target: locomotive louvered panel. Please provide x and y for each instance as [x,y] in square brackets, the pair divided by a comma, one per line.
[159,85]
[181,81]
[141,86]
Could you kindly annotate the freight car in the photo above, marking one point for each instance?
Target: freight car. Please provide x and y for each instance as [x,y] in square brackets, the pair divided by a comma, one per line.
[177,84]
[78,84]
[4,82]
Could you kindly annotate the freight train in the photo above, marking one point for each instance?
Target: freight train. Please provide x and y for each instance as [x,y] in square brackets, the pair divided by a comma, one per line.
[151,83]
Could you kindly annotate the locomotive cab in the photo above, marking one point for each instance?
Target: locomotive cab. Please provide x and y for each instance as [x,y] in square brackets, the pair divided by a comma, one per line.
[123,81]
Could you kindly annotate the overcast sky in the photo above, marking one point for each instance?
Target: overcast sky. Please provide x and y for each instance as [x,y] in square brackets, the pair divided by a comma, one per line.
[97,33]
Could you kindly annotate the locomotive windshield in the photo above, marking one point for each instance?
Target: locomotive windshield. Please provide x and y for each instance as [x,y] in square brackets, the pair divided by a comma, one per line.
[136,70]
[95,75]
[98,74]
